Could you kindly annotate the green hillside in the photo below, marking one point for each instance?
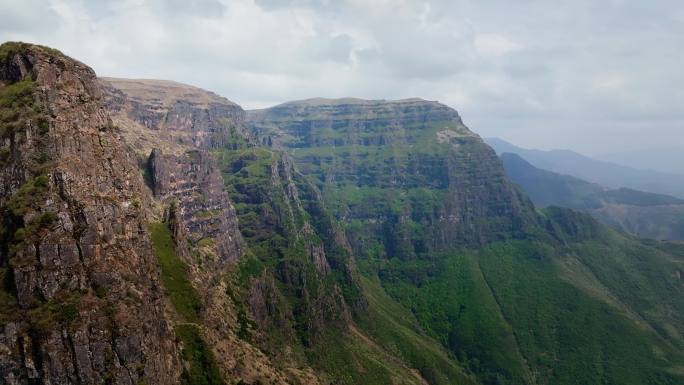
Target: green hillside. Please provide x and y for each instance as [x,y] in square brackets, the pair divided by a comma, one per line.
[513,295]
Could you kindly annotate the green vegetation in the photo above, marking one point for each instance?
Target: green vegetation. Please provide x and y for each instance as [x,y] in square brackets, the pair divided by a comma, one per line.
[203,369]
[245,325]
[19,109]
[449,296]
[396,329]
[271,222]
[180,291]
[12,47]
[350,360]
[62,310]
[546,297]
[514,309]
[248,268]
[570,335]
[202,366]
[14,233]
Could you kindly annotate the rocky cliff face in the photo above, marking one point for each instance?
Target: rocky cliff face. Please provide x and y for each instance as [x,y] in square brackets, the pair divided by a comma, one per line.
[173,113]
[82,302]
[193,185]
[186,182]
[173,127]
[432,219]
[317,242]
[429,173]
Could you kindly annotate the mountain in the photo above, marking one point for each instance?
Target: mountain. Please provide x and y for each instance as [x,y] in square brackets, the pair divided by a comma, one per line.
[547,188]
[596,171]
[404,177]
[667,160]
[81,297]
[645,214]
[156,233]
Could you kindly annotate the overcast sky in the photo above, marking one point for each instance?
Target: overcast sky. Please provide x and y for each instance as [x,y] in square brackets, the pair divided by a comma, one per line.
[596,76]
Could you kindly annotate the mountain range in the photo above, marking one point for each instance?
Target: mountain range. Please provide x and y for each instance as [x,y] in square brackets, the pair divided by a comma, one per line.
[644,214]
[602,172]
[156,233]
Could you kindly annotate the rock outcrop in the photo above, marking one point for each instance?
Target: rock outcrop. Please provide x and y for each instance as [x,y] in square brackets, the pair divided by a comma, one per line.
[193,184]
[178,126]
[176,114]
[83,299]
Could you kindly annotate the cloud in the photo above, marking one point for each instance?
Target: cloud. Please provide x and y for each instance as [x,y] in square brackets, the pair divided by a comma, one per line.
[491,45]
[594,76]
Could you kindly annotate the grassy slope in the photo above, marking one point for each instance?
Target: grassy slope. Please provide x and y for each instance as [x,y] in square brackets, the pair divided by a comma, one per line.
[517,314]
[569,336]
[513,312]
[202,369]
[448,295]
[346,357]
[395,327]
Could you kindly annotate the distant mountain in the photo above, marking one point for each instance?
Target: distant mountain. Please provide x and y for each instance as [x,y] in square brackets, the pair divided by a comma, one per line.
[596,171]
[645,214]
[547,188]
[668,160]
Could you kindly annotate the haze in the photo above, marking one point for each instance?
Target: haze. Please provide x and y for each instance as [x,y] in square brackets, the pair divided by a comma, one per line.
[596,77]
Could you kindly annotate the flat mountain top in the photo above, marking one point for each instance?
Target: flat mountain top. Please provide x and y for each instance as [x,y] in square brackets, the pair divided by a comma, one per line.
[164,91]
[348,100]
[346,108]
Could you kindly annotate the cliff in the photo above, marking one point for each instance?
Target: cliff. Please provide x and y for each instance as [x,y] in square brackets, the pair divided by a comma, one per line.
[153,232]
[159,112]
[82,301]
[436,227]
[436,184]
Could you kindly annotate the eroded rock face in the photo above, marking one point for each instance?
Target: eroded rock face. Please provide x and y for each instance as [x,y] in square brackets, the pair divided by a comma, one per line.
[169,123]
[172,112]
[87,305]
[194,185]
[176,125]
[427,181]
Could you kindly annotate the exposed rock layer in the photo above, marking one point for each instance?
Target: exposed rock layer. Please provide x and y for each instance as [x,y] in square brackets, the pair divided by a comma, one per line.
[90,306]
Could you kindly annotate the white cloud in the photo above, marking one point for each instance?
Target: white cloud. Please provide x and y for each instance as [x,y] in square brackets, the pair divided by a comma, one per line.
[549,74]
[493,45]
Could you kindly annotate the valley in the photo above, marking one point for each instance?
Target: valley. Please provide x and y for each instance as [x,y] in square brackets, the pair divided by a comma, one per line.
[157,233]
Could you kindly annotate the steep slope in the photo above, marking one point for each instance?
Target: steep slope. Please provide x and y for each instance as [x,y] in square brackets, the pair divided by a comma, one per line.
[173,129]
[596,171]
[403,152]
[169,115]
[317,242]
[644,214]
[81,297]
[436,228]
[547,188]
[290,289]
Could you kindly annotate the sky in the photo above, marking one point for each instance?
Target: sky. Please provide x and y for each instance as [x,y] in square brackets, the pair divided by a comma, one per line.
[593,76]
